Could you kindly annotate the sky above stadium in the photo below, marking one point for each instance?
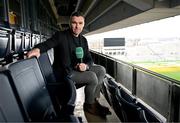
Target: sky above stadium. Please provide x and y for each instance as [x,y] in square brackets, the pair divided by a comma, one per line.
[169,27]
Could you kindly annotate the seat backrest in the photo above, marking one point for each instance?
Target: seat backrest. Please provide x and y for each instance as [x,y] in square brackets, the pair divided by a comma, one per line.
[66,90]
[131,111]
[18,45]
[27,41]
[46,67]
[111,85]
[31,88]
[109,89]
[151,117]
[9,108]
[47,71]
[5,43]
[18,42]
[35,39]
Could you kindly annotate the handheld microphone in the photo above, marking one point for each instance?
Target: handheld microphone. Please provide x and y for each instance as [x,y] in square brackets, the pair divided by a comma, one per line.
[79,53]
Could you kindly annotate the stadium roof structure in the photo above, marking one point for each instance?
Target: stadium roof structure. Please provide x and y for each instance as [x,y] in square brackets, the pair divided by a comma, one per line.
[107,15]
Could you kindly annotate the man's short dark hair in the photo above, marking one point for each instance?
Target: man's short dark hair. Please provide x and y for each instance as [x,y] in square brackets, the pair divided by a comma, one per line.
[76,13]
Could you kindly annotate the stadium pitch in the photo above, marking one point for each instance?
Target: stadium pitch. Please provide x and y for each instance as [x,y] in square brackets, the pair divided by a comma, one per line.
[167,68]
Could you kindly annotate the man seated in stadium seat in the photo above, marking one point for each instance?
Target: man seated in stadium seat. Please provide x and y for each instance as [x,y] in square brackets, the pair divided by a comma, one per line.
[66,63]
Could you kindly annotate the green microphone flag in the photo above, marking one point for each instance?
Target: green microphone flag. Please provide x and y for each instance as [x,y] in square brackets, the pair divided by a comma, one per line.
[79,53]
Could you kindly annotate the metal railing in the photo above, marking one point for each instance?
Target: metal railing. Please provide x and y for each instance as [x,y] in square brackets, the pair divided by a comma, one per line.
[158,91]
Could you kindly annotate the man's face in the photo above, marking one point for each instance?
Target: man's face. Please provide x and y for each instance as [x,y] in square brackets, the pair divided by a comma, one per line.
[77,25]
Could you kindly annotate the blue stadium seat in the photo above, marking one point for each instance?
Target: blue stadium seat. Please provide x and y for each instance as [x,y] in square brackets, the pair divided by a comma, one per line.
[110,89]
[130,111]
[35,39]
[10,110]
[27,41]
[5,45]
[58,90]
[150,116]
[125,105]
[30,86]
[18,44]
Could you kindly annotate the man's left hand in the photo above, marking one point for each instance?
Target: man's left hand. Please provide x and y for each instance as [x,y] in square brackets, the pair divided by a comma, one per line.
[82,67]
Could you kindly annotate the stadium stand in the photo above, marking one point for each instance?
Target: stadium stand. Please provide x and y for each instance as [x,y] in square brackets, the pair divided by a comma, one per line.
[30,87]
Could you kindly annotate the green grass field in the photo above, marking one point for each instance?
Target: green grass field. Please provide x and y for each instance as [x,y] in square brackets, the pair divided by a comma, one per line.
[175,75]
[170,68]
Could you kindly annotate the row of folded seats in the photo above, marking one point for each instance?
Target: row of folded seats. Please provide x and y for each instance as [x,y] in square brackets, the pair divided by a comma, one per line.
[29,92]
[126,106]
[28,88]
[14,44]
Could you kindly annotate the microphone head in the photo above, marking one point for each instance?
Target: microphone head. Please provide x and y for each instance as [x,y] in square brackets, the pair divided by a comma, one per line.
[79,52]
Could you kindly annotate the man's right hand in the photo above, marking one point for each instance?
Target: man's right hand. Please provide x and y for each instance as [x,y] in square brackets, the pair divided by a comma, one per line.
[34,52]
[81,67]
